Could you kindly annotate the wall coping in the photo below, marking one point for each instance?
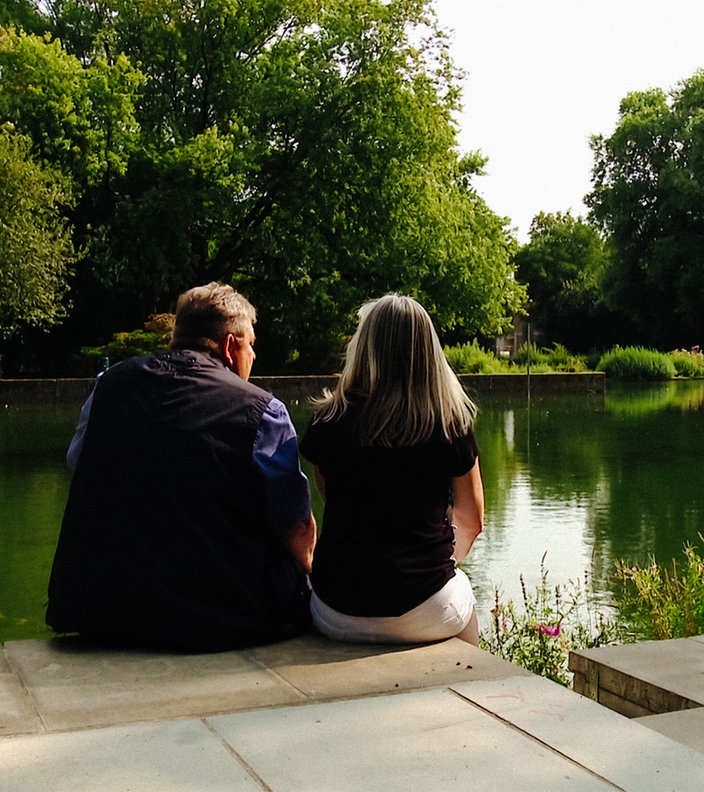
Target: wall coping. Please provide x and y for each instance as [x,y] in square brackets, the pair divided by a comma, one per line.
[66,390]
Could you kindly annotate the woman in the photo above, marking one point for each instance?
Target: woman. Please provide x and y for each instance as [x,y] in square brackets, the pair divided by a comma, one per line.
[396,461]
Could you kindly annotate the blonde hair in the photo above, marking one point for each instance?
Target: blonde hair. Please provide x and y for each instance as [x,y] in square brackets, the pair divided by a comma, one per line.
[206,314]
[395,363]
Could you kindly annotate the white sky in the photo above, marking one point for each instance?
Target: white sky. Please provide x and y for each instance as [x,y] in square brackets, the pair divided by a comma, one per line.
[545,75]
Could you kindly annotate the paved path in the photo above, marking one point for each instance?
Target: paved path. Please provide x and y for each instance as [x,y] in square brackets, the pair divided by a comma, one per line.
[313,716]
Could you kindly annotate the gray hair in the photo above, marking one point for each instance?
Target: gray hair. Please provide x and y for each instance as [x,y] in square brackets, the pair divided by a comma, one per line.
[206,314]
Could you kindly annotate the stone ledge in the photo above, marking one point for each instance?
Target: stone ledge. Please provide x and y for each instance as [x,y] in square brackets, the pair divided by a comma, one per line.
[646,678]
[58,685]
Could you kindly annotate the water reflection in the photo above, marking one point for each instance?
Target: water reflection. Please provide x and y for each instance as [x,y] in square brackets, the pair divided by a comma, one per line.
[585,480]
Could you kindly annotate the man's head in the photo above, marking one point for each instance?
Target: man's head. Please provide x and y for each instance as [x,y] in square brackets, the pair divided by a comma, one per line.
[218,319]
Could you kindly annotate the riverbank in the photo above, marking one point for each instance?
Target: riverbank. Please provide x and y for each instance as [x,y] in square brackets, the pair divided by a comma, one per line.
[60,391]
[309,715]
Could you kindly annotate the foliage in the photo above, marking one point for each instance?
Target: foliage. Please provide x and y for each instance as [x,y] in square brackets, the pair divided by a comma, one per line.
[36,251]
[153,338]
[662,604]
[470,358]
[688,363]
[304,151]
[563,264]
[22,14]
[556,358]
[648,196]
[540,632]
[637,363]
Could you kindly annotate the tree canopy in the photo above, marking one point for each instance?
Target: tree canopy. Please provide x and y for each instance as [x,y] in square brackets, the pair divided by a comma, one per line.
[649,197]
[563,266]
[303,150]
[35,243]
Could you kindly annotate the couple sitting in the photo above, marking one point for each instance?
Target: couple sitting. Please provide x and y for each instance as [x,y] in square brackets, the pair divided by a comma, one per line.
[188,525]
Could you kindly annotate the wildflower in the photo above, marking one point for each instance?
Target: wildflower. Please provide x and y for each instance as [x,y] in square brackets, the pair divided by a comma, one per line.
[548,629]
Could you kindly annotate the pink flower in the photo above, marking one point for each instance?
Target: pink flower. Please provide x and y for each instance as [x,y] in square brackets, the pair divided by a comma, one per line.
[547,629]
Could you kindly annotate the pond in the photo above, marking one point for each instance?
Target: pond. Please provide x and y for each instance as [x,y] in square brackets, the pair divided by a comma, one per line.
[579,480]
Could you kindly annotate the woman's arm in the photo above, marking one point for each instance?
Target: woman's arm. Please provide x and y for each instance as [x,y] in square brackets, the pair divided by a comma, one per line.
[467,510]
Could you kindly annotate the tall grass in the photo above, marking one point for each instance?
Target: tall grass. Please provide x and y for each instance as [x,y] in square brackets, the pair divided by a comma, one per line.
[662,603]
[470,358]
[688,363]
[637,363]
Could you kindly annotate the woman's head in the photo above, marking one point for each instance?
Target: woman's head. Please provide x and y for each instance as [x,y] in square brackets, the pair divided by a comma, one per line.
[396,364]
[395,346]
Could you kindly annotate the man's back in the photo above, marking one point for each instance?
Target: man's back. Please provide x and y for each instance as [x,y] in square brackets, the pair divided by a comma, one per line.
[165,540]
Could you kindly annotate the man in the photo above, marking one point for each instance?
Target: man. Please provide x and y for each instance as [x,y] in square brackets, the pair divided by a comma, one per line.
[188,525]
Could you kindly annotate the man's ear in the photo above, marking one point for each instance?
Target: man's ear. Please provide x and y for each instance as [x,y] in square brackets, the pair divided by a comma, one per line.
[228,351]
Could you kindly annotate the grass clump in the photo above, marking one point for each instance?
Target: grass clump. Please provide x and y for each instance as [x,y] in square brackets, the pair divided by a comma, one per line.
[659,603]
[688,363]
[544,359]
[470,358]
[637,363]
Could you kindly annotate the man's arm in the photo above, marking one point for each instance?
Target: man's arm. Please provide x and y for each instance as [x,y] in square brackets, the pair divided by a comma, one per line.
[288,508]
[300,542]
[74,449]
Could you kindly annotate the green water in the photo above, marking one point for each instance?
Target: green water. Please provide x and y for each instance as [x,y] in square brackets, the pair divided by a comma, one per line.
[581,481]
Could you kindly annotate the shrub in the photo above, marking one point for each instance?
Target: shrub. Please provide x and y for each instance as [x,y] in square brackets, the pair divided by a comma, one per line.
[470,358]
[542,359]
[154,338]
[637,363]
[688,363]
[530,354]
[662,604]
[551,624]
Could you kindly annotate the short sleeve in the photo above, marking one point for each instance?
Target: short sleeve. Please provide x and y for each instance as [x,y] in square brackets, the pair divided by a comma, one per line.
[465,453]
[275,454]
[311,446]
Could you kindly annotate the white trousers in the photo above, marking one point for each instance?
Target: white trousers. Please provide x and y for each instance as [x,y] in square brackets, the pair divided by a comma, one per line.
[443,615]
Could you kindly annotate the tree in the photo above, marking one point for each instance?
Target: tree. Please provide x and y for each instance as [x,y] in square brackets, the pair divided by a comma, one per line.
[649,196]
[303,150]
[22,14]
[36,252]
[563,265]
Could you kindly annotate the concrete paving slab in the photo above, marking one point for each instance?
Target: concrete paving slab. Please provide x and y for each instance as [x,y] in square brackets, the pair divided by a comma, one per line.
[73,688]
[17,715]
[686,726]
[324,669]
[181,755]
[424,741]
[615,748]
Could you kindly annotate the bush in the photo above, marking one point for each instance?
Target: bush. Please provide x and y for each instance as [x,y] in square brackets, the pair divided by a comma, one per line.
[154,338]
[660,604]
[637,363]
[470,358]
[688,363]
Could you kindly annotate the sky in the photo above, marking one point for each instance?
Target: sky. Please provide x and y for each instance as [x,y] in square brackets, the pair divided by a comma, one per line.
[543,76]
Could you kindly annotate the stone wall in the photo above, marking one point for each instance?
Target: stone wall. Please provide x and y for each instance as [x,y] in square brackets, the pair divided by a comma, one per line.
[57,391]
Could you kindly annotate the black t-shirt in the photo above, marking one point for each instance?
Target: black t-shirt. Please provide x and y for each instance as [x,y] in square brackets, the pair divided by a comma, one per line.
[386,544]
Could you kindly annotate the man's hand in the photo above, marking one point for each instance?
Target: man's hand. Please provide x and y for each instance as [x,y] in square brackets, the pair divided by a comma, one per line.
[301,543]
